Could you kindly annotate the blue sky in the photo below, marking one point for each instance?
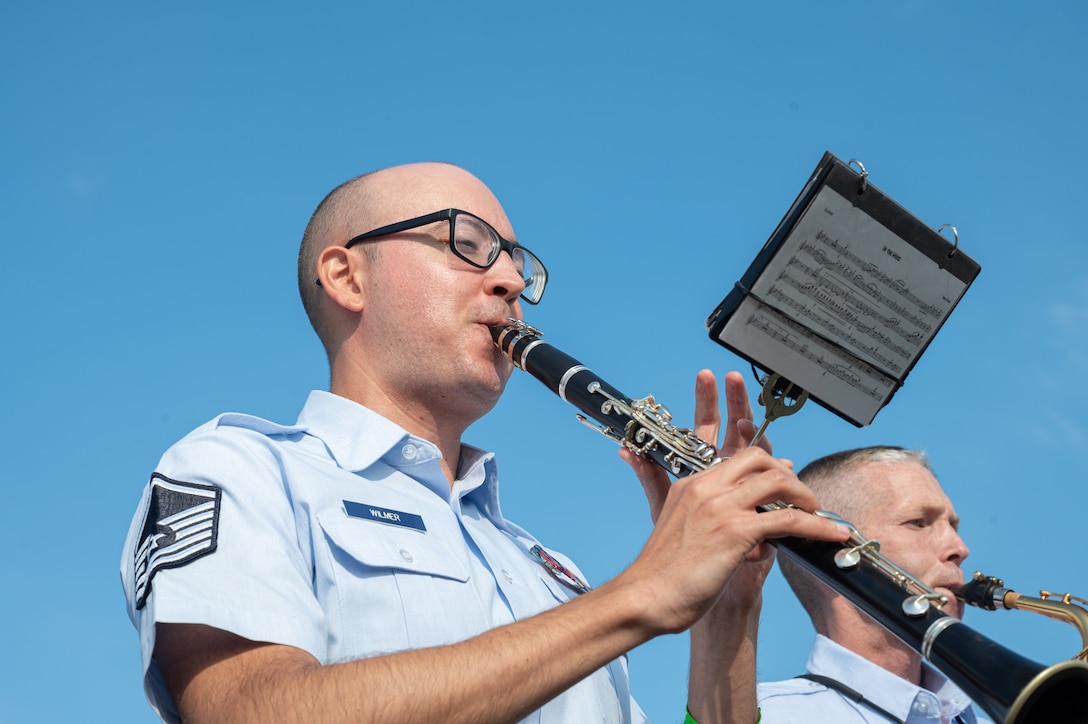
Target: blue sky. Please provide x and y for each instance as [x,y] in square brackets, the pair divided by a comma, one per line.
[160,160]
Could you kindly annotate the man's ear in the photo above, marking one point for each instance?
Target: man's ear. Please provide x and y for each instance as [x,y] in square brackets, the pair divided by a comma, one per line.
[341,274]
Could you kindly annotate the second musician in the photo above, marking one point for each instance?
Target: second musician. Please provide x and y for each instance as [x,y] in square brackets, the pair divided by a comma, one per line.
[858,671]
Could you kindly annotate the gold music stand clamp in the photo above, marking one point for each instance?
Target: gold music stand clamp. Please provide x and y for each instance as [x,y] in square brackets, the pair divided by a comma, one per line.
[779,398]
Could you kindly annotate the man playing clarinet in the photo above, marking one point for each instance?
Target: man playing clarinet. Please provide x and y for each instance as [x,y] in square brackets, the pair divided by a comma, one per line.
[355,565]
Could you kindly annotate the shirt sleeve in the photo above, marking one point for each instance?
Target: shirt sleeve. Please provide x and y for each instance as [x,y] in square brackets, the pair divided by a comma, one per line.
[215,541]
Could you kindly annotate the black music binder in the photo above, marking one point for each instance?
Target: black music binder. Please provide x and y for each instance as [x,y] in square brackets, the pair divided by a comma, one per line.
[846,294]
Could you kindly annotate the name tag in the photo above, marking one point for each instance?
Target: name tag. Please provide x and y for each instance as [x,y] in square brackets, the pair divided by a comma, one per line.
[384,515]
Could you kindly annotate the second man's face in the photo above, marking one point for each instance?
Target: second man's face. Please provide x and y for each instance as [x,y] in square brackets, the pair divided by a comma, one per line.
[917,527]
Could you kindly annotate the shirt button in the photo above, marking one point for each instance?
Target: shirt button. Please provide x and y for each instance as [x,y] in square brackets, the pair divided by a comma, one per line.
[926,706]
[507,576]
[406,555]
[409,452]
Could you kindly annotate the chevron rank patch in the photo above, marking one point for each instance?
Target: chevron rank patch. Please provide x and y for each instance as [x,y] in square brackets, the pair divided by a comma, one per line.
[181,525]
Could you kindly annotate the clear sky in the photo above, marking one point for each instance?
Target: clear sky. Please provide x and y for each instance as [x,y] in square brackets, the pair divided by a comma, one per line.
[159,160]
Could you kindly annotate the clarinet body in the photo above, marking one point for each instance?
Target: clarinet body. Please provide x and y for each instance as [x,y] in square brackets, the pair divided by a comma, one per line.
[1010,688]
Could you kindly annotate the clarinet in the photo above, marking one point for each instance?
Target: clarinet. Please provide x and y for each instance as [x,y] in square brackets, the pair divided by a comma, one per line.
[1010,688]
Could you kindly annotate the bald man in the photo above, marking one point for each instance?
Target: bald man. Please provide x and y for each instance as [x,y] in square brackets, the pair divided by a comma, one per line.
[857,670]
[354,566]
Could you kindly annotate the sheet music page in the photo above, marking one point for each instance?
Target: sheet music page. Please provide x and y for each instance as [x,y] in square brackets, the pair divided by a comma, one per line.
[844,308]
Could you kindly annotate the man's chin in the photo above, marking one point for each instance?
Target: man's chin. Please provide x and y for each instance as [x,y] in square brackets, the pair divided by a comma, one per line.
[494,382]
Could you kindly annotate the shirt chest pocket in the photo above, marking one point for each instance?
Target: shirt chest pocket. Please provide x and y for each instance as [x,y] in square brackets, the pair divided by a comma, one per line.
[387,588]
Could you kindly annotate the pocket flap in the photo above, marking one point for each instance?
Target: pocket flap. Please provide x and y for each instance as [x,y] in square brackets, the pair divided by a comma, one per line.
[376,545]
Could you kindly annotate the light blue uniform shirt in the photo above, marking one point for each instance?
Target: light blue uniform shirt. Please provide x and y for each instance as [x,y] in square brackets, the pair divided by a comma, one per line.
[801,700]
[340,536]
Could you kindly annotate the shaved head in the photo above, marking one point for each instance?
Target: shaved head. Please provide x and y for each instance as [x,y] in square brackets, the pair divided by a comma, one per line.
[375,199]
[333,222]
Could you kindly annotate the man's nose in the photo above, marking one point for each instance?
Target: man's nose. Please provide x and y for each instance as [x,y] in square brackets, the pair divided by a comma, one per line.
[957,548]
[504,279]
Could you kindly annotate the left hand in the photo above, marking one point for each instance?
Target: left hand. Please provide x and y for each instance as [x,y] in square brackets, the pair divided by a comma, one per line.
[745,585]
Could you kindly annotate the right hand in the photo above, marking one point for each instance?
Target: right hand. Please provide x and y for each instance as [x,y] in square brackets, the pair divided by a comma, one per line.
[708,525]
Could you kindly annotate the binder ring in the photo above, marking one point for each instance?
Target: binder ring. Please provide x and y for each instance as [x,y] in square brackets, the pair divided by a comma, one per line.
[955,235]
[864,174]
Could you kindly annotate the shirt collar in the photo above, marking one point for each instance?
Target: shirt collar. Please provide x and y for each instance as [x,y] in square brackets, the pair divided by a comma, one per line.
[954,700]
[356,437]
[478,480]
[881,686]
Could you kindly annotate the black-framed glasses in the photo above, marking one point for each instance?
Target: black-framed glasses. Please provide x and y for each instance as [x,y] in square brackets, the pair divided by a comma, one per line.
[475,241]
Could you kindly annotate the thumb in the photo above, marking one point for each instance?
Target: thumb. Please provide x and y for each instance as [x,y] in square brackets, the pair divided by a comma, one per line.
[655,481]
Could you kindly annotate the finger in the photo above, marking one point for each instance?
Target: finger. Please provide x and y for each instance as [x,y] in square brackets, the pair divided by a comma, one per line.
[708,416]
[738,406]
[739,427]
[747,430]
[655,482]
[759,479]
[751,460]
[798,523]
[762,553]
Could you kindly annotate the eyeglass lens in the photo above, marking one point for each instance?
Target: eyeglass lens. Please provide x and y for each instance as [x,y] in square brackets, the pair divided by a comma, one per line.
[479,244]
